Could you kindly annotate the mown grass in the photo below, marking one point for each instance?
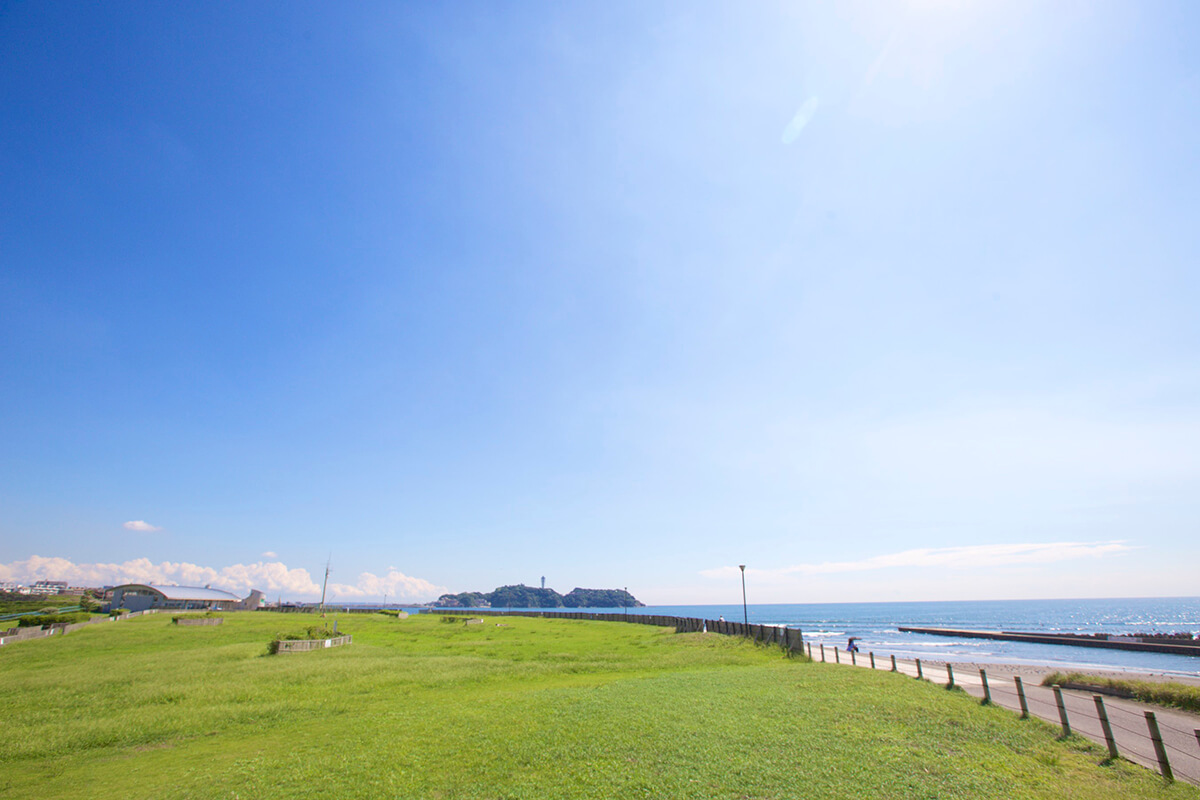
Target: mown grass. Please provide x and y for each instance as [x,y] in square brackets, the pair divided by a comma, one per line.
[531,708]
[1164,693]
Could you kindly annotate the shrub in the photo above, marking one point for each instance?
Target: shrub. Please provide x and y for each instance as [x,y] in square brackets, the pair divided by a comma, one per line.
[52,619]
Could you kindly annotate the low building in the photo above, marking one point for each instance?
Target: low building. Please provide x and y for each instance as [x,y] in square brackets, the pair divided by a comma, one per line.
[144,596]
[49,587]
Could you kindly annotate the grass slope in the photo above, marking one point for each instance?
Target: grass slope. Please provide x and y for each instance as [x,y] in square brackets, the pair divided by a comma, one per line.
[1164,693]
[534,709]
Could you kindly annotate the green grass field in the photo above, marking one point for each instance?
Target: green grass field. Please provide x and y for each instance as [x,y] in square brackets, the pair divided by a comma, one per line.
[417,708]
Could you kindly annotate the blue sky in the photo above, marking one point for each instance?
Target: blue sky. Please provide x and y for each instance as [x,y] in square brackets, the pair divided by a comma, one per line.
[886,301]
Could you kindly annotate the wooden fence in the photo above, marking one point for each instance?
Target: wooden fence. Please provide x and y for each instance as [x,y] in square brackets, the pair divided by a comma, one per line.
[304,645]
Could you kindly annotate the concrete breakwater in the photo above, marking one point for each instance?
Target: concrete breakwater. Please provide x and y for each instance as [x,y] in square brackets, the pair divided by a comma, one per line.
[1076,640]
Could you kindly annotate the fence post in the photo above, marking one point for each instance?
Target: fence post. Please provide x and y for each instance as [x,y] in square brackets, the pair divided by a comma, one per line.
[1108,734]
[836,656]
[920,675]
[872,655]
[987,692]
[949,675]
[1062,711]
[822,654]
[1021,697]
[1159,750]
[893,663]
[853,658]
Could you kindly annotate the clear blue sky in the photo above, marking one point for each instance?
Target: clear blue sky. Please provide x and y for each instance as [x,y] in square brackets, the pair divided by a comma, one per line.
[886,301]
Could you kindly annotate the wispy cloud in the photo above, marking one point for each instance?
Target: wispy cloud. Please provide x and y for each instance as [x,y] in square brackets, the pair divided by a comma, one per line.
[800,121]
[141,526]
[981,555]
[272,577]
[270,554]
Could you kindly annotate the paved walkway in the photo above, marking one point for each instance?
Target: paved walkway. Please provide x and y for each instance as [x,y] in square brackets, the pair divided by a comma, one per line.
[1180,730]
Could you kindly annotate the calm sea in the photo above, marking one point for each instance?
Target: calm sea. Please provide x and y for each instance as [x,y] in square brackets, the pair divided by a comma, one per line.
[877,626]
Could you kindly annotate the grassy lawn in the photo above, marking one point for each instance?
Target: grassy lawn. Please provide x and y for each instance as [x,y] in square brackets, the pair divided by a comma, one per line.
[418,708]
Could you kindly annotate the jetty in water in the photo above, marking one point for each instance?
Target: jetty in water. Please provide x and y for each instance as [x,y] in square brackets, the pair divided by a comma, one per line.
[1110,642]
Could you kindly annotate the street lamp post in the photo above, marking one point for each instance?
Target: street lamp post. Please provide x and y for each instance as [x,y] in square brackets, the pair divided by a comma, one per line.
[745,615]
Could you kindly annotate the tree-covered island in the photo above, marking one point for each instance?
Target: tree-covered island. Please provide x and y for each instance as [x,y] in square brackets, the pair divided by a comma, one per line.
[522,596]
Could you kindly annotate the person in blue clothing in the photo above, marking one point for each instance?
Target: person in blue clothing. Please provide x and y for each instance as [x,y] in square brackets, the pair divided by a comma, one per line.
[852,645]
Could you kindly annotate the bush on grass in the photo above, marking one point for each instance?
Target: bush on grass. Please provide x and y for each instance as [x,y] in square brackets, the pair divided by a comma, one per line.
[52,619]
[309,633]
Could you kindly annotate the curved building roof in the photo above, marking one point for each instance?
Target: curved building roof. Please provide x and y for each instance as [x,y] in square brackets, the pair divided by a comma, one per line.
[183,592]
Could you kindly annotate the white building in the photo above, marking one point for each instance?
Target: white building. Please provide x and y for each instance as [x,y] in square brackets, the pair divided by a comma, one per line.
[143,596]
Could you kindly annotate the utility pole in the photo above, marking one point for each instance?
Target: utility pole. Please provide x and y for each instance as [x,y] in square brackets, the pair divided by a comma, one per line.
[745,615]
[325,584]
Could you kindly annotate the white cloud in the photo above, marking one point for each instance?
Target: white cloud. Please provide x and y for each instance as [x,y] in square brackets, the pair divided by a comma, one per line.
[141,526]
[971,556]
[395,584]
[270,554]
[271,577]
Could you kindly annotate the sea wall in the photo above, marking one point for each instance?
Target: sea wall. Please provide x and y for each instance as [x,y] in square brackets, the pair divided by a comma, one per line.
[1119,643]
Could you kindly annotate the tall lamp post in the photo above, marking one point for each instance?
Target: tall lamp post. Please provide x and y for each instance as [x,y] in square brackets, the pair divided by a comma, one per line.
[745,615]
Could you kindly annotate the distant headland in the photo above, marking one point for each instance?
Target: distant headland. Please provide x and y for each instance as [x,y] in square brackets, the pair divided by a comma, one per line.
[522,596]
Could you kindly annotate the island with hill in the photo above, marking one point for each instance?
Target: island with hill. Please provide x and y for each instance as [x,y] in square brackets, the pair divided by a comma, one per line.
[522,596]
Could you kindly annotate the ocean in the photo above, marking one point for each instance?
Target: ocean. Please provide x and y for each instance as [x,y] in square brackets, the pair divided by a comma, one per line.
[876,625]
